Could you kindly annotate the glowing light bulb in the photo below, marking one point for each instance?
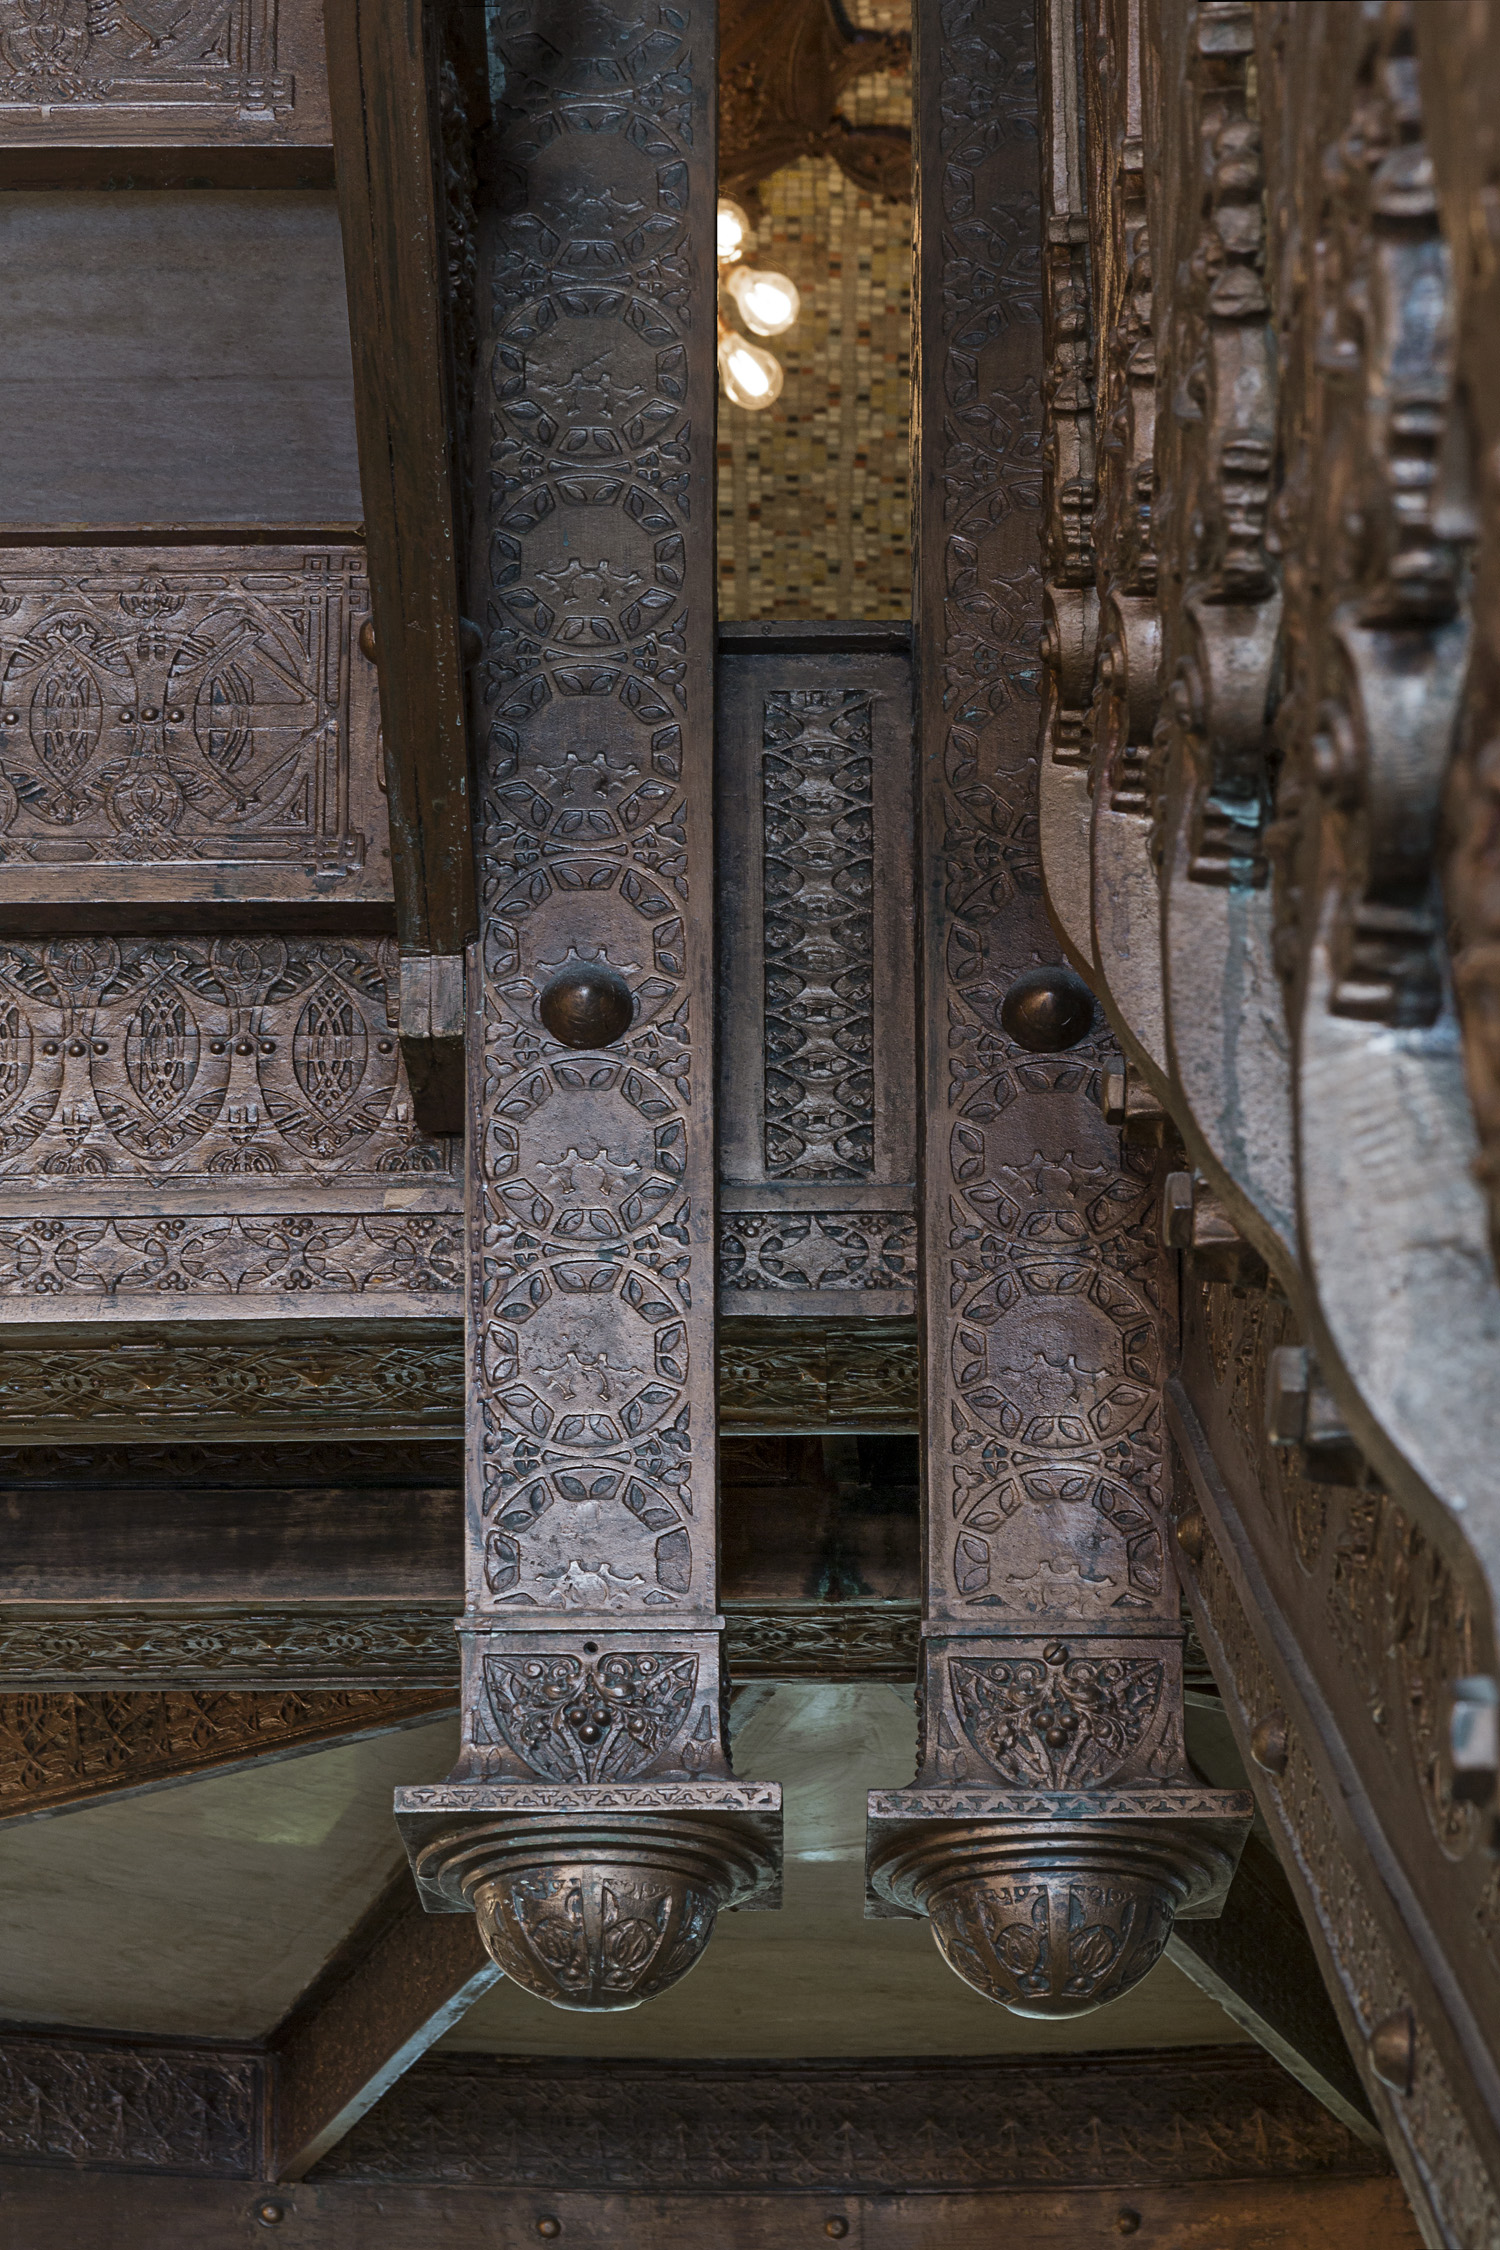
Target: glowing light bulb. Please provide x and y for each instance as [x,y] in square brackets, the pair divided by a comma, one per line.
[752,378]
[769,301]
[734,230]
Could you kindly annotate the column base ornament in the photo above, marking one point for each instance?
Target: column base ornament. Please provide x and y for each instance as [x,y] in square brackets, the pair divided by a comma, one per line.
[594,1897]
[1053,1904]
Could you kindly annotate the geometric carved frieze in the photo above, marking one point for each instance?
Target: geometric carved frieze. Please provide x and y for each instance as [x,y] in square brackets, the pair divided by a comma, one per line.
[793,1258]
[85,2100]
[128,1247]
[187,725]
[201,1127]
[237,1060]
[403,1381]
[230,73]
[893,2127]
[192,1647]
[200,1650]
[64,1266]
[818,933]
[393,1368]
[62,1752]
[1171,2119]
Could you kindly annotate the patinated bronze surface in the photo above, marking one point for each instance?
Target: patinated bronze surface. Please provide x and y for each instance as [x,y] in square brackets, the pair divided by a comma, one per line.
[593,1823]
[1204,671]
[1055,1827]
[817,1132]
[1279,323]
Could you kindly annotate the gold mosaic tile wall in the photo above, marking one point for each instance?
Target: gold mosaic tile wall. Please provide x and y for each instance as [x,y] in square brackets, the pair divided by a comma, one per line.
[813,508]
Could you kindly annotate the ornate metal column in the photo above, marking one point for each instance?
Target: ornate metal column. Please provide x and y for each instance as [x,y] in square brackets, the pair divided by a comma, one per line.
[1054,1829]
[592,1822]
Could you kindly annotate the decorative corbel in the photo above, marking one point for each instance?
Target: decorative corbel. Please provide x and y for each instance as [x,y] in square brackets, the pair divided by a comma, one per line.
[1216,427]
[1070,601]
[1125,938]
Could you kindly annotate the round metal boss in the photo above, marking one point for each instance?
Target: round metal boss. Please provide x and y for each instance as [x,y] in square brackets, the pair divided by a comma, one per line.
[1047,1010]
[589,1005]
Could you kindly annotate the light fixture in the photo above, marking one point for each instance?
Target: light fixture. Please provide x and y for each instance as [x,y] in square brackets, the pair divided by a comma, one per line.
[734,230]
[751,377]
[768,302]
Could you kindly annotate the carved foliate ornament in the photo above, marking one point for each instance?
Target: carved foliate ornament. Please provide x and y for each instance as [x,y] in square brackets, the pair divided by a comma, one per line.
[592,1685]
[1070,602]
[1376,535]
[182,724]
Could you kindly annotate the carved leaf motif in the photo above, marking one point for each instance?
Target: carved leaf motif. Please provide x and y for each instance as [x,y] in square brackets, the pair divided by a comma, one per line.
[67,713]
[193,54]
[570,1720]
[1057,1722]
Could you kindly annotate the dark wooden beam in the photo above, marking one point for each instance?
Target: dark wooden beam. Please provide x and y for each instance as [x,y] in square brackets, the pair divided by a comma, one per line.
[66,1752]
[60,2211]
[200,1540]
[387,149]
[401,1980]
[804,1375]
[122,166]
[1218,2143]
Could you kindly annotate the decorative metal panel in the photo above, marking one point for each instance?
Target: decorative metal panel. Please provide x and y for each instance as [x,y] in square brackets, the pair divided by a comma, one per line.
[592,1469]
[816,977]
[231,73]
[190,725]
[818,930]
[232,1059]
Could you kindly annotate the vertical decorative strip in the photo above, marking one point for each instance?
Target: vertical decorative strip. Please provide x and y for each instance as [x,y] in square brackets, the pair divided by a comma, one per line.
[1054,1827]
[599,1826]
[818,811]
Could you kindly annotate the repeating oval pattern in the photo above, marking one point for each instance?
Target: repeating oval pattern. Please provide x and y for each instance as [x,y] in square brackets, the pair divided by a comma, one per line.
[189,1058]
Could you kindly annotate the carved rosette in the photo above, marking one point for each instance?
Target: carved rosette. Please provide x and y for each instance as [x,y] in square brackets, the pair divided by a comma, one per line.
[1054,1828]
[591,1640]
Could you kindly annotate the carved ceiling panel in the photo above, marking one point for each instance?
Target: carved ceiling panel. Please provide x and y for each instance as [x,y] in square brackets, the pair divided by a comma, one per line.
[226,73]
[187,726]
